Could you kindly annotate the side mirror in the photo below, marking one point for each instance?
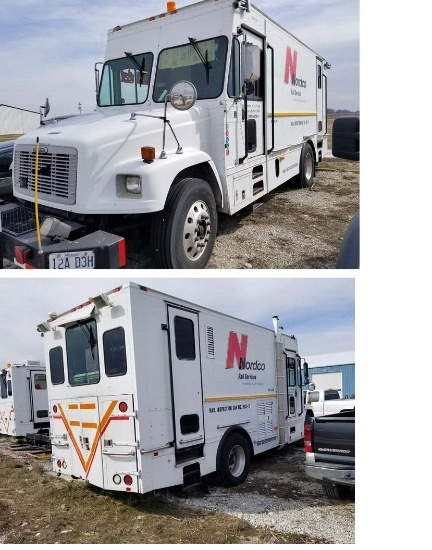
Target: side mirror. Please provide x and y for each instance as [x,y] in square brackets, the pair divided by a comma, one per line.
[305,373]
[311,386]
[44,110]
[346,138]
[182,95]
[252,63]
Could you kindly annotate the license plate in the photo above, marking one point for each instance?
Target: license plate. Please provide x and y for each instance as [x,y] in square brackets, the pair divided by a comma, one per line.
[83,259]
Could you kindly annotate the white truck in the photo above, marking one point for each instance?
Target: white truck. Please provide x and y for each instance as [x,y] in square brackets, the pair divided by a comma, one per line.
[148,391]
[23,399]
[322,402]
[201,109]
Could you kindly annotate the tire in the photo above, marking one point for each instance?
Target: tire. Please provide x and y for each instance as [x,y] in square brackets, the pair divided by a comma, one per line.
[184,233]
[339,492]
[234,461]
[307,166]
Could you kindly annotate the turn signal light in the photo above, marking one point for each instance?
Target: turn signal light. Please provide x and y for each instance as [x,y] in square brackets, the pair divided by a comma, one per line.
[127,479]
[148,154]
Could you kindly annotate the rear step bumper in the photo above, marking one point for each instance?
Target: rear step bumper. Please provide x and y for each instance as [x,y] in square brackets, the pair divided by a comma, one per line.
[97,250]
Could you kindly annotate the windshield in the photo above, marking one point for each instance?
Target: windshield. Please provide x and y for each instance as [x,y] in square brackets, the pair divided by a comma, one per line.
[202,63]
[125,81]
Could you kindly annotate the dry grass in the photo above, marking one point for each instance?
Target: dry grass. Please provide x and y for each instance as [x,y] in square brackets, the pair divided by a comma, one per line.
[8,137]
[36,507]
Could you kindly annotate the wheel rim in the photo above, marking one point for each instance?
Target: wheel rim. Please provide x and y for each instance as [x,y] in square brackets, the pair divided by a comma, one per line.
[237,460]
[308,167]
[196,231]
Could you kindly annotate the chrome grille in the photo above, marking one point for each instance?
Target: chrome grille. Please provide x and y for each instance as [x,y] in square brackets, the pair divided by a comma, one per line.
[57,172]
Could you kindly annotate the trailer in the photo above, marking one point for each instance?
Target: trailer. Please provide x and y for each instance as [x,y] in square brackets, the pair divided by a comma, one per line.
[23,399]
[200,110]
[148,391]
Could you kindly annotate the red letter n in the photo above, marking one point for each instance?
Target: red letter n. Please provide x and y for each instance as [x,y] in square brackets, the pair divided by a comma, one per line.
[236,350]
[290,66]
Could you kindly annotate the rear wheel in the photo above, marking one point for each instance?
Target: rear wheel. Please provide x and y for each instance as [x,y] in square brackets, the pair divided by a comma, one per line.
[307,166]
[339,492]
[184,233]
[234,460]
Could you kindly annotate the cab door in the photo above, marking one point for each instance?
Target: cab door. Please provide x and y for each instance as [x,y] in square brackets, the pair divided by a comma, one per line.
[185,363]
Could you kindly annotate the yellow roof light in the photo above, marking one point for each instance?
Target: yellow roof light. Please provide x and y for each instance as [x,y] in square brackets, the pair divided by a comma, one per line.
[171,6]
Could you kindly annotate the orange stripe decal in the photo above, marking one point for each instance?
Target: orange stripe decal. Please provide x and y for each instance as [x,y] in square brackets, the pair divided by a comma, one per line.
[89,425]
[87,405]
[74,423]
[72,407]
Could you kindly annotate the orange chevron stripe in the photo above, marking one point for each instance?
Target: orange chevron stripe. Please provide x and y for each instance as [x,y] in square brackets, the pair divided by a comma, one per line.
[100,429]
[11,410]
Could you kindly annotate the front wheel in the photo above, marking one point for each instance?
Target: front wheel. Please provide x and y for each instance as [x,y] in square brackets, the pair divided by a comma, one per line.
[234,461]
[184,233]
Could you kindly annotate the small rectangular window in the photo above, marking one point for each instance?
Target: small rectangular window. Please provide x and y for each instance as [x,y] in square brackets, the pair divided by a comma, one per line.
[184,338]
[3,386]
[115,352]
[42,414]
[251,135]
[291,405]
[40,382]
[291,371]
[319,77]
[234,84]
[189,424]
[56,366]
[9,387]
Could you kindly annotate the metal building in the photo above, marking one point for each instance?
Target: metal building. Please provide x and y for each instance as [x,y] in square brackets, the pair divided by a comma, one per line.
[14,120]
[333,371]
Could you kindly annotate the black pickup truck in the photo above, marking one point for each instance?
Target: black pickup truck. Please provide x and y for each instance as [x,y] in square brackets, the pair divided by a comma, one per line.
[329,442]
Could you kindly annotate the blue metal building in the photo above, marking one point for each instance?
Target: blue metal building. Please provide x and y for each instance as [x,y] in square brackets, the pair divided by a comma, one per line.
[333,371]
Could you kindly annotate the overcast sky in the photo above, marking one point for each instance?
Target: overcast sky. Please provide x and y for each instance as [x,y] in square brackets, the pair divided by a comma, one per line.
[49,47]
[319,312]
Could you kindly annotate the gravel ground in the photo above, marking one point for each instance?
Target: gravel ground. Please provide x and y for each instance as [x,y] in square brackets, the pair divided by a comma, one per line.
[277,495]
[291,228]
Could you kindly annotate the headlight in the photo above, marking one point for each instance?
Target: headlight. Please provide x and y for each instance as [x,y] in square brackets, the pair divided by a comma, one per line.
[133,184]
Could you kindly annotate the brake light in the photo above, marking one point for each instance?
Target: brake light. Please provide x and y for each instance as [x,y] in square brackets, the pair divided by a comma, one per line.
[127,479]
[123,407]
[308,438]
[22,254]
[55,408]
[59,463]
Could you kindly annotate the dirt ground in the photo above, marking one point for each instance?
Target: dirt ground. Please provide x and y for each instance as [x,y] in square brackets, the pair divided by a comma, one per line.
[276,504]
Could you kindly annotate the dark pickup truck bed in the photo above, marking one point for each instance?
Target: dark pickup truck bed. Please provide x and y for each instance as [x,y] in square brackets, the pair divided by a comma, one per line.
[329,443]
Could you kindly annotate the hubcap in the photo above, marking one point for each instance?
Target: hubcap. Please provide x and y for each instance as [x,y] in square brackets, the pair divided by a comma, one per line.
[196,232]
[308,167]
[236,460]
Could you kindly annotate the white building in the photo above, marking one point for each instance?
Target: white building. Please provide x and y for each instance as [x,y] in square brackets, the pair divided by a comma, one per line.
[14,120]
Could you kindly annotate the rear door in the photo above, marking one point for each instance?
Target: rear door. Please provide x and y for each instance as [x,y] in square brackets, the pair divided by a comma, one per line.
[186,377]
[38,399]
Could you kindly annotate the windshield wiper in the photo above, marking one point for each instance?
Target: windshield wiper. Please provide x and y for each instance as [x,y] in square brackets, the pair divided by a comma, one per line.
[90,337]
[204,60]
[140,68]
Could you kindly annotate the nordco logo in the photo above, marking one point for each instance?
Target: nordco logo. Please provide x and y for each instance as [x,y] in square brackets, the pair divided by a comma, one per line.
[238,351]
[291,70]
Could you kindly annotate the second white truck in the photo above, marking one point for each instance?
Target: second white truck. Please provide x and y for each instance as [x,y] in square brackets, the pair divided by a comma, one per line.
[322,402]
[149,391]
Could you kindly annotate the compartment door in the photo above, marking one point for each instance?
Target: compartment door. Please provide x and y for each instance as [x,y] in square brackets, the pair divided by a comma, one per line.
[186,377]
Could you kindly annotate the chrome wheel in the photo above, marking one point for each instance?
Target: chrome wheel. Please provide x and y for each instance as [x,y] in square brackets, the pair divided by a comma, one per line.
[196,231]
[237,460]
[308,166]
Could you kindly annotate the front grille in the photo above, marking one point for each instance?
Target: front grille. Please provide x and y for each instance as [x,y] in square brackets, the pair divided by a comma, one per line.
[57,172]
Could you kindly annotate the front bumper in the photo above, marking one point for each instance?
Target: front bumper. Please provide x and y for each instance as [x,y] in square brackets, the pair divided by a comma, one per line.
[97,250]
